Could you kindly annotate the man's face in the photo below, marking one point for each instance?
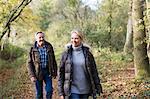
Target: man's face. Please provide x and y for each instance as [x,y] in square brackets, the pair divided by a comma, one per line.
[75,40]
[40,39]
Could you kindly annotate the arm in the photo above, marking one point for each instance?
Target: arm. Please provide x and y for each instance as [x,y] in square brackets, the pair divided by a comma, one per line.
[30,66]
[61,76]
[94,73]
[54,72]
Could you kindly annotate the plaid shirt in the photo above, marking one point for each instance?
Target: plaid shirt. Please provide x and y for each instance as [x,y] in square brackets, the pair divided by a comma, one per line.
[43,57]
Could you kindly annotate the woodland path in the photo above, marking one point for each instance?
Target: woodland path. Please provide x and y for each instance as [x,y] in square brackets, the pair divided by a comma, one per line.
[118,83]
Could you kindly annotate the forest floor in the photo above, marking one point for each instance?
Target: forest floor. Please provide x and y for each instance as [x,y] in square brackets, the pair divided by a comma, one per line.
[120,84]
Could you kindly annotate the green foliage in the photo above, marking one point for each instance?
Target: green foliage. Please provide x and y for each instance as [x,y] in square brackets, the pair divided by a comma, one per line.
[5,8]
[99,32]
[45,15]
[4,64]
[11,52]
[95,24]
[59,33]
[21,26]
[104,54]
[72,3]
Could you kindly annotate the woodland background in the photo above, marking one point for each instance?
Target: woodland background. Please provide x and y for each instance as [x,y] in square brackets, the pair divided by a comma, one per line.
[117,31]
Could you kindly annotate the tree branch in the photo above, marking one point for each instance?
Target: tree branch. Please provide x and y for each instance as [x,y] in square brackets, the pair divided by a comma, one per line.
[14,14]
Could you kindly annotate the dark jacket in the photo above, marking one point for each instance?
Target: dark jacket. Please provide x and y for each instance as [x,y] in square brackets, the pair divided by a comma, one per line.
[34,61]
[65,72]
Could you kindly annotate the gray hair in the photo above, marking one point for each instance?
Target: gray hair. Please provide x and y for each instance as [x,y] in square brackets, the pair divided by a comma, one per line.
[38,33]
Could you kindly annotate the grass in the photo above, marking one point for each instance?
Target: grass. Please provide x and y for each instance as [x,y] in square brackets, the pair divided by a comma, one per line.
[4,64]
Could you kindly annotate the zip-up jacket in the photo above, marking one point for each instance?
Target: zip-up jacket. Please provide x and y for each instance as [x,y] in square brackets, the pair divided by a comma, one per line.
[33,62]
[65,72]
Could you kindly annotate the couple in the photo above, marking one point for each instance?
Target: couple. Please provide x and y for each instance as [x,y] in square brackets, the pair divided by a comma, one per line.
[77,75]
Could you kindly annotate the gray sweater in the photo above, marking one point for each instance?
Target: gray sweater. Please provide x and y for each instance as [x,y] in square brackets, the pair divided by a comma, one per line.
[80,84]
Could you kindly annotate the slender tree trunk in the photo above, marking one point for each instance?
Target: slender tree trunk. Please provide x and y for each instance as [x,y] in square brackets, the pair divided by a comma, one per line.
[148,26]
[128,47]
[141,61]
[110,24]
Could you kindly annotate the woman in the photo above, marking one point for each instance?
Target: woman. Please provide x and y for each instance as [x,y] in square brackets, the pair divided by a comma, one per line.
[78,76]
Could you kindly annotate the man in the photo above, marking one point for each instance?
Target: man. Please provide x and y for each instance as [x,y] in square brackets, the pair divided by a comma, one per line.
[42,66]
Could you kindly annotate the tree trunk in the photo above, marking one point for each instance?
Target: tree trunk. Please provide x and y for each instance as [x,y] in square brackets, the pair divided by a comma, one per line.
[110,24]
[141,61]
[148,26]
[128,47]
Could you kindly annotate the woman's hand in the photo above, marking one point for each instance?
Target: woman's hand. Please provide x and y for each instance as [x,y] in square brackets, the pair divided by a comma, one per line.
[61,97]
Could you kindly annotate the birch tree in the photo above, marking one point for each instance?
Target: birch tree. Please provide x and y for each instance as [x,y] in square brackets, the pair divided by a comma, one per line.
[129,36]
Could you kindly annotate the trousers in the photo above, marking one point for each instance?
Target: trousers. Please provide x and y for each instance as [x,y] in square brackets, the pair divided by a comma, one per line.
[48,85]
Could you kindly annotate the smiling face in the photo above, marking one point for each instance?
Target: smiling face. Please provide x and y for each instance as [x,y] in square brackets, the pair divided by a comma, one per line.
[40,39]
[75,40]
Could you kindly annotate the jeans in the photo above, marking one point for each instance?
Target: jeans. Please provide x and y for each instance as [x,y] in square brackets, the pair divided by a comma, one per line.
[79,96]
[48,86]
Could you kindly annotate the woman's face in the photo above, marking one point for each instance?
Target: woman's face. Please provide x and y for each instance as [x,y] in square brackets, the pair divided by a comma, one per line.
[75,40]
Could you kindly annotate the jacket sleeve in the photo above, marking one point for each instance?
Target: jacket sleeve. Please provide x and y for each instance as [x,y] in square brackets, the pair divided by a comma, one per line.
[54,72]
[95,76]
[61,76]
[30,65]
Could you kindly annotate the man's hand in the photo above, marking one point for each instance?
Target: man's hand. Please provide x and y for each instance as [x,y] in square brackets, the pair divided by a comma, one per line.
[33,79]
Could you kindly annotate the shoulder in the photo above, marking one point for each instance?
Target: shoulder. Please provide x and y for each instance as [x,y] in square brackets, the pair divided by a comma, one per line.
[32,47]
[68,46]
[86,47]
[48,43]
[87,50]
[67,50]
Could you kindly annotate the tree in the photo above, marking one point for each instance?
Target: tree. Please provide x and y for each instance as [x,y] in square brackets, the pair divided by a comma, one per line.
[141,61]
[129,35]
[45,14]
[110,24]
[148,24]
[14,14]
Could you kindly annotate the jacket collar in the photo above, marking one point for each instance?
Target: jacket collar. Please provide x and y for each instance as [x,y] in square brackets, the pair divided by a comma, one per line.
[69,46]
[35,47]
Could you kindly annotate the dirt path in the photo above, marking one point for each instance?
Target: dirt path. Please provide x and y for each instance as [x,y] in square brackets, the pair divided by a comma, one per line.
[118,83]
[5,74]
[26,91]
[115,86]
[26,88]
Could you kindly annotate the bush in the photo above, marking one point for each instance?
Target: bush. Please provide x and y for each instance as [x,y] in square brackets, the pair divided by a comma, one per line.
[11,52]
